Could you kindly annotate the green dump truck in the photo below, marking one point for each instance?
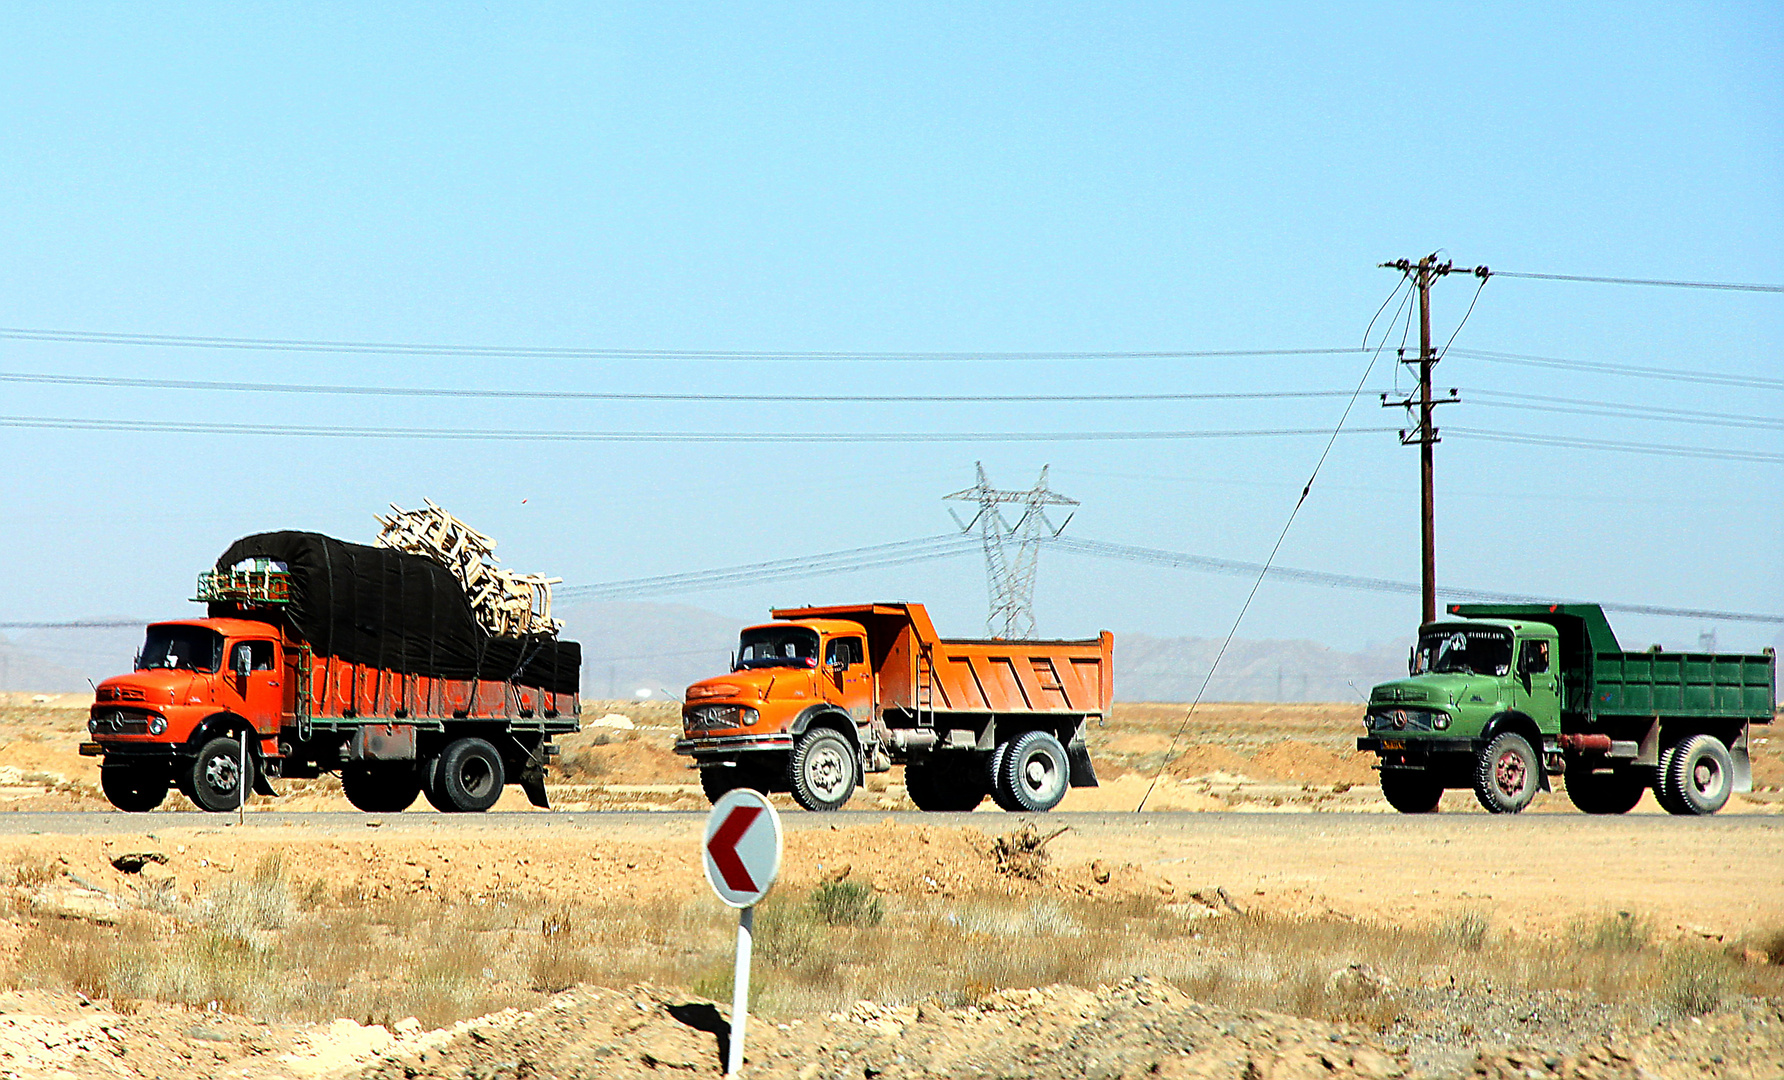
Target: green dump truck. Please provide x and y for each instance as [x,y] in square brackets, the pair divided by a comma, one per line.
[1500,697]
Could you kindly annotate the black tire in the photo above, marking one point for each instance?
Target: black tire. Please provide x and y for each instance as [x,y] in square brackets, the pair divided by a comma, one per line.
[1410,791]
[822,770]
[1701,774]
[213,781]
[467,778]
[133,789]
[945,786]
[995,779]
[1507,774]
[389,789]
[1664,793]
[715,780]
[1613,792]
[1036,771]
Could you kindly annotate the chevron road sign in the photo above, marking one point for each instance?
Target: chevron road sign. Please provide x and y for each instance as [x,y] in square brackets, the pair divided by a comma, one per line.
[742,857]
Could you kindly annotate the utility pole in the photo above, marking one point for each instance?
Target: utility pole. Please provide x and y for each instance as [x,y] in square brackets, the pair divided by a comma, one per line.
[1423,273]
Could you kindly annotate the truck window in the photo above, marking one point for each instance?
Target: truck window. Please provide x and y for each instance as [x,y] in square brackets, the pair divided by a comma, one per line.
[181,648]
[1536,657]
[846,650]
[260,655]
[1457,650]
[778,646]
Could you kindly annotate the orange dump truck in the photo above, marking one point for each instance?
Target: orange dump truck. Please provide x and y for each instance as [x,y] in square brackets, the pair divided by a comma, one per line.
[824,695]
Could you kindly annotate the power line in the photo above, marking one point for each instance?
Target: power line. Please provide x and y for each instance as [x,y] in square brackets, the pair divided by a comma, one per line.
[202,427]
[1674,374]
[1657,449]
[603,395]
[1327,579]
[74,624]
[1586,407]
[526,352]
[898,553]
[1726,285]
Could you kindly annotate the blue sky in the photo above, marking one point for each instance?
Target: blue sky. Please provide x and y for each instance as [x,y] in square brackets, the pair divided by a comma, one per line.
[899,177]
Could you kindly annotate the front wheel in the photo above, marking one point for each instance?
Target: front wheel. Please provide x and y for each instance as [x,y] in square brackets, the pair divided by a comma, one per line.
[822,770]
[1506,776]
[215,780]
[380,790]
[1614,792]
[1700,774]
[1411,792]
[132,789]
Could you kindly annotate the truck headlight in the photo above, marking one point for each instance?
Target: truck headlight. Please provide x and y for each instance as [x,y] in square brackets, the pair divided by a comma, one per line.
[92,723]
[157,724]
[1441,721]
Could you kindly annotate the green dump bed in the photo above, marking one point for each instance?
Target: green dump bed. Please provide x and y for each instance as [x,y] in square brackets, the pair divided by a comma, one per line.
[1604,681]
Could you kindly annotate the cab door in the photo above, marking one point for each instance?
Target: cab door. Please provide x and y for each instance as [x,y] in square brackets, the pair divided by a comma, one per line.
[253,681]
[849,679]
[1536,688]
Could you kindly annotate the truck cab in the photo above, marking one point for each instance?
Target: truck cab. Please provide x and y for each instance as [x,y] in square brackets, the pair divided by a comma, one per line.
[195,681]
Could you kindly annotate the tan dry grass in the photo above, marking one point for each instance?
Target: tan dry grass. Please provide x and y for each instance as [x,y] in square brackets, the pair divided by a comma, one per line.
[262,946]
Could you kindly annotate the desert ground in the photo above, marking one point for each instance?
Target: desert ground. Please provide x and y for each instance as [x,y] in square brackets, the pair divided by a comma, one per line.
[1266,916]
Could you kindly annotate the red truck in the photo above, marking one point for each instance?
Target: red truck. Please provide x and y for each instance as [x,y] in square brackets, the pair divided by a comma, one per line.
[825,695]
[320,656]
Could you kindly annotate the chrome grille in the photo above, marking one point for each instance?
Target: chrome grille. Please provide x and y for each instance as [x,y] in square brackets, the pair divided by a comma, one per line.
[120,722]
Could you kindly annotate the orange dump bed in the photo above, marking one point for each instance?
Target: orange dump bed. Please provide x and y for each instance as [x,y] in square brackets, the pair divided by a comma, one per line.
[919,671]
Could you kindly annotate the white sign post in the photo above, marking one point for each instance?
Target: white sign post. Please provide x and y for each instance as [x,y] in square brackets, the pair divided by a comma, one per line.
[742,857]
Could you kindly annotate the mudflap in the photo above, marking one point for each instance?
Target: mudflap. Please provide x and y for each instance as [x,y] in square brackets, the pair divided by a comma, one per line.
[263,785]
[533,783]
[1083,773]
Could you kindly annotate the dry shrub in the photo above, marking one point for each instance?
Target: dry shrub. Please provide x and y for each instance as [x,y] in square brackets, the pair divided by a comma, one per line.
[1466,931]
[1622,932]
[1023,853]
[1695,980]
[32,872]
[846,903]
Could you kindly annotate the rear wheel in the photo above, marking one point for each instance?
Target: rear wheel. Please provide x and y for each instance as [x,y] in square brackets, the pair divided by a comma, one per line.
[1505,775]
[1664,792]
[1609,792]
[822,770]
[380,789]
[945,785]
[1702,774]
[1036,771]
[133,788]
[214,781]
[1411,791]
[467,779]
[994,778]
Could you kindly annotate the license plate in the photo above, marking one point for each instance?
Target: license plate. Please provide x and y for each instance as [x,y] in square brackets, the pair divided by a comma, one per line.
[1393,744]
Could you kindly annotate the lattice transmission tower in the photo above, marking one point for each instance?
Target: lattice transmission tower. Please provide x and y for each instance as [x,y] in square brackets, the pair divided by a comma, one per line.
[1011,550]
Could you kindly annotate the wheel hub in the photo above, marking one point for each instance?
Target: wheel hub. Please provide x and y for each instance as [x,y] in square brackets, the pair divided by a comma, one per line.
[222,774]
[1509,773]
[823,772]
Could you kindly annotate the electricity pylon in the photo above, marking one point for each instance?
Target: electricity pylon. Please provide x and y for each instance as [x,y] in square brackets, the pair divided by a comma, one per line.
[1011,574]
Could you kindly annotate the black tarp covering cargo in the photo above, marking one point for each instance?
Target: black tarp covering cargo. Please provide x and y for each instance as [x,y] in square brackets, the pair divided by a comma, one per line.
[401,612]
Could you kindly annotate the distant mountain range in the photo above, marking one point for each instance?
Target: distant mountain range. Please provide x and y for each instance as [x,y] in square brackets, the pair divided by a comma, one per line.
[631,649]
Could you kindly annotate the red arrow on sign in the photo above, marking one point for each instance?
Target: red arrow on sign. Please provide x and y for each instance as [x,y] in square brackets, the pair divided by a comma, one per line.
[723,848]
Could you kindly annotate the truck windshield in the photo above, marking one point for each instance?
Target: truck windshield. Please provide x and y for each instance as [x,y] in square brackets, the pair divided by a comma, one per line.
[185,648]
[778,646]
[1459,650]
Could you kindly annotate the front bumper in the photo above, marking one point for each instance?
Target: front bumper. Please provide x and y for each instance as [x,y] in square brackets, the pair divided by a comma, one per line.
[720,745]
[1420,745]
